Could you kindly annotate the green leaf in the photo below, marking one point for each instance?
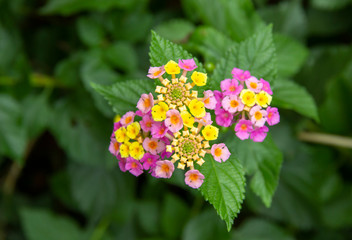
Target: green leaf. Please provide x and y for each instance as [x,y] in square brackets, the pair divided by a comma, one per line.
[256,54]
[93,188]
[290,55]
[123,56]
[223,187]
[262,161]
[68,7]
[175,30]
[289,95]
[287,17]
[260,229]
[235,18]
[211,43]
[162,50]
[36,114]
[13,136]
[41,224]
[90,31]
[205,226]
[330,5]
[123,96]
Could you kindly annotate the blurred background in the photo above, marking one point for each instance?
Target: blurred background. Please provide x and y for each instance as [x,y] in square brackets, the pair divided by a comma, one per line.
[57,178]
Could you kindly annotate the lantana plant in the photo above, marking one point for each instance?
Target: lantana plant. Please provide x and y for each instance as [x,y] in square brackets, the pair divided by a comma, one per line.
[175,128]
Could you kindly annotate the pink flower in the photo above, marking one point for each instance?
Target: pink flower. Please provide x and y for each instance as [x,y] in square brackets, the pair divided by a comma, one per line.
[155,72]
[220,152]
[232,104]
[146,123]
[266,86]
[273,116]
[223,118]
[187,64]
[254,85]
[164,169]
[122,163]
[258,116]
[206,120]
[153,145]
[243,128]
[194,178]
[114,147]
[158,130]
[259,134]
[209,99]
[134,167]
[240,74]
[127,119]
[173,120]
[218,97]
[149,161]
[145,103]
[230,86]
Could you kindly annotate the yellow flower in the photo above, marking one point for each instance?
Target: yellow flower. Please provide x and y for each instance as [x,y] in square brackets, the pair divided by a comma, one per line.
[200,79]
[133,130]
[248,97]
[172,67]
[197,108]
[187,118]
[263,99]
[120,135]
[159,111]
[125,149]
[136,150]
[210,132]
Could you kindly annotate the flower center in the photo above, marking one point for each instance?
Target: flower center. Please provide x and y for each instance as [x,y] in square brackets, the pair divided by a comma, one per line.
[165,168]
[270,115]
[174,119]
[253,85]
[128,120]
[116,146]
[234,103]
[156,73]
[232,88]
[218,152]
[133,165]
[188,147]
[152,145]
[206,101]
[258,115]
[243,127]
[193,177]
[147,103]
[176,92]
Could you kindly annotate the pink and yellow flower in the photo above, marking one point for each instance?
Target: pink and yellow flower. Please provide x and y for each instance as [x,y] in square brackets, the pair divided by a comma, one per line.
[259,134]
[223,118]
[164,169]
[240,74]
[127,119]
[153,145]
[230,86]
[209,99]
[266,86]
[206,120]
[220,152]
[146,123]
[253,84]
[133,166]
[258,116]
[158,130]
[196,108]
[273,116]
[159,111]
[155,72]
[114,147]
[149,161]
[263,99]
[199,79]
[173,120]
[248,97]
[145,103]
[232,104]
[187,64]
[243,128]
[194,178]
[172,67]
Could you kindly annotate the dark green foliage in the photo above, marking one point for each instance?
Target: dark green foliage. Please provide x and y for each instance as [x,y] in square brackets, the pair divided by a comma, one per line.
[68,66]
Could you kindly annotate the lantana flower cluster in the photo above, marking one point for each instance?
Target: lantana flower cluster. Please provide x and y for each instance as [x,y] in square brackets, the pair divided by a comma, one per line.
[173,130]
[244,101]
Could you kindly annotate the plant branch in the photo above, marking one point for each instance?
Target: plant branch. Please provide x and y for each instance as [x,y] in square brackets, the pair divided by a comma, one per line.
[326,139]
